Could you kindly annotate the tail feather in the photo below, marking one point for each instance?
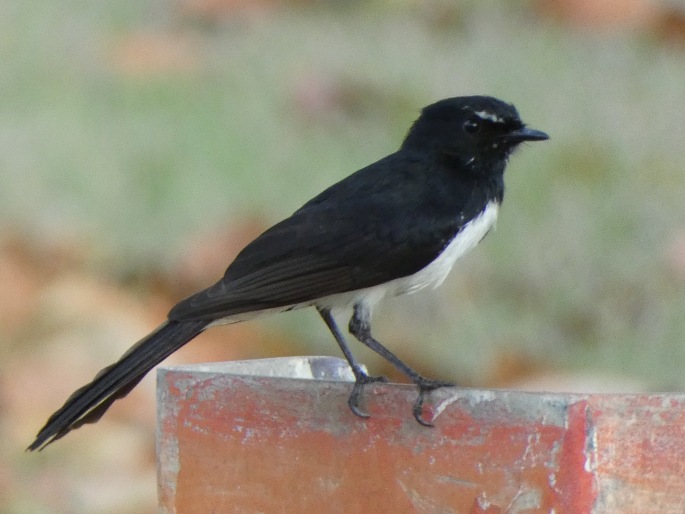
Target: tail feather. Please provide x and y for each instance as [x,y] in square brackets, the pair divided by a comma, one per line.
[89,403]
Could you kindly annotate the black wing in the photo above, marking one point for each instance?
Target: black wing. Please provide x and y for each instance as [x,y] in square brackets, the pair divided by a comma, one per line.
[384,222]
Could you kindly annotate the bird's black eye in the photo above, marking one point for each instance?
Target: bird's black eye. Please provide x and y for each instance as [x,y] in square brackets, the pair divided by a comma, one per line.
[472,125]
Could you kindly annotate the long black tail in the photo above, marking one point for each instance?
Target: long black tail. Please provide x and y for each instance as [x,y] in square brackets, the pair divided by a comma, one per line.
[89,403]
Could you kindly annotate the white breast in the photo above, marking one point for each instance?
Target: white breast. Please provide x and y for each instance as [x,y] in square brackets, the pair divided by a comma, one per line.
[432,275]
[435,273]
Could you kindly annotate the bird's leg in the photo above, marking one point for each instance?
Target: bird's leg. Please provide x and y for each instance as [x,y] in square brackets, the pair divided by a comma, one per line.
[361,377]
[360,327]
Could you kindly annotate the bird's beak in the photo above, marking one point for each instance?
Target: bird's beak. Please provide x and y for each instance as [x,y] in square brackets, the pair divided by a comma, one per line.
[526,134]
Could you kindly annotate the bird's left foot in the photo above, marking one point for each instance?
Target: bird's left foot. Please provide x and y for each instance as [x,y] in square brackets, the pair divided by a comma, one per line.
[362,379]
[425,386]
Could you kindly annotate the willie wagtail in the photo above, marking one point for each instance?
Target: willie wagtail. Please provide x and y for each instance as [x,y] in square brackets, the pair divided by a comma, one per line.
[394,227]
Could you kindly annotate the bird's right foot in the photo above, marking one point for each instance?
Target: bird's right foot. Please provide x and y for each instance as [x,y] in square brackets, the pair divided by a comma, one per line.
[425,386]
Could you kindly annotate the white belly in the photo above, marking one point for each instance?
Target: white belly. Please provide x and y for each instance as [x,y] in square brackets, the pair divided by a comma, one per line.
[432,275]
[435,273]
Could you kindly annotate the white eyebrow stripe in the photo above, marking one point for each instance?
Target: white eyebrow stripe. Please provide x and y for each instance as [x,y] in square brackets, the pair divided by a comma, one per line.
[485,115]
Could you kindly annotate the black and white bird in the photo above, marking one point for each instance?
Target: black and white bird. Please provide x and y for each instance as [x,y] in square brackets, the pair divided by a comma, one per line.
[393,227]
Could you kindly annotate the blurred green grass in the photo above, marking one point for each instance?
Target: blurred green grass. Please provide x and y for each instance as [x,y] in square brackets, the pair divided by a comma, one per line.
[137,161]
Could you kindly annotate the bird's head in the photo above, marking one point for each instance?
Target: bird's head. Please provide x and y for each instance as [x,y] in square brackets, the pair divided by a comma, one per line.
[475,133]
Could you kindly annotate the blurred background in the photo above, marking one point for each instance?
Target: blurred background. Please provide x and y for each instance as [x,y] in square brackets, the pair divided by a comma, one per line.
[144,142]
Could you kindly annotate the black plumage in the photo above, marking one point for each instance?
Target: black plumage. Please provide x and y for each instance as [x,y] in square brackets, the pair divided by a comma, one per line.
[392,227]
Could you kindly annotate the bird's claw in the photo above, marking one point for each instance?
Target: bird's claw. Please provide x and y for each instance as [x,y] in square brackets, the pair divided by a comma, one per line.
[426,386]
[353,401]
